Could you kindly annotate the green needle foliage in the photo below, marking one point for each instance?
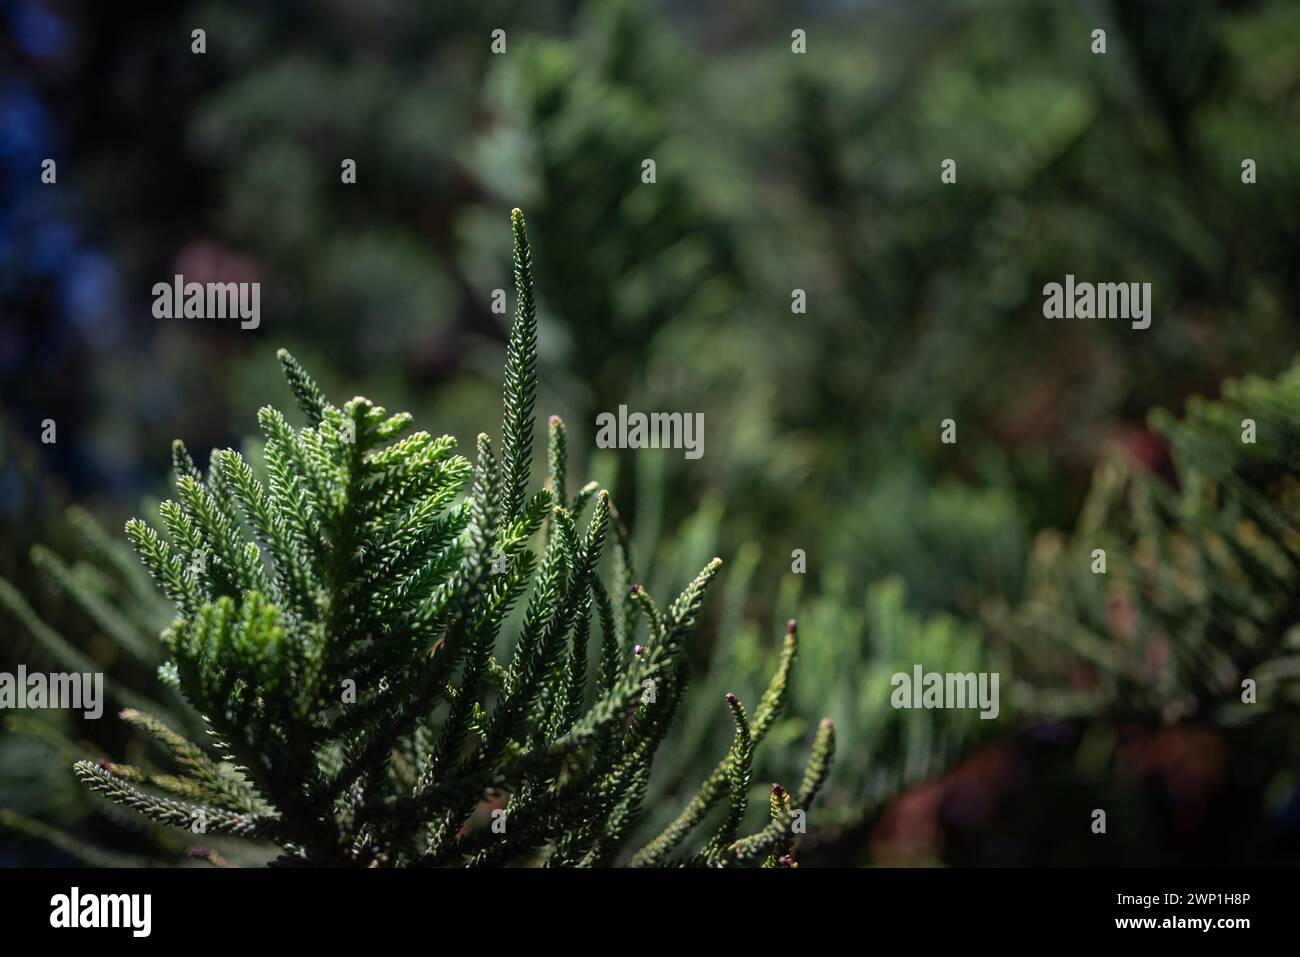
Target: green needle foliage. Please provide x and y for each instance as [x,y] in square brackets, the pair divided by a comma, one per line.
[337,623]
[111,592]
[1194,618]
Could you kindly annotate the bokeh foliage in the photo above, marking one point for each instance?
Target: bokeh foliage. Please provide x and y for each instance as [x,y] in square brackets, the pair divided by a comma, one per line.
[775,172]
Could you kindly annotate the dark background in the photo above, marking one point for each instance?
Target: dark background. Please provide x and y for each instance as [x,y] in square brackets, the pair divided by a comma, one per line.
[775,171]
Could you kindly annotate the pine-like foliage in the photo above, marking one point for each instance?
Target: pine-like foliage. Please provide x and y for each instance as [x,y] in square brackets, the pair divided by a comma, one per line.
[1201,588]
[103,592]
[337,626]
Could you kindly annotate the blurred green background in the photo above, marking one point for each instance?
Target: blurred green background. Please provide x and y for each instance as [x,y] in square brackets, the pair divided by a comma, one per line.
[775,171]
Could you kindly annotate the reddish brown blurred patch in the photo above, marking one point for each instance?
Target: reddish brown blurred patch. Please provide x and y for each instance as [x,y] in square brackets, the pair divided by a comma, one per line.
[910,830]
[206,260]
[1141,447]
[1157,656]
[1186,763]
[1121,615]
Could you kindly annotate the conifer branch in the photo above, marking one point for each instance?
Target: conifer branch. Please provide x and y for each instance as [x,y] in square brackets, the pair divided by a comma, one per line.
[520,377]
[336,626]
[201,819]
[716,784]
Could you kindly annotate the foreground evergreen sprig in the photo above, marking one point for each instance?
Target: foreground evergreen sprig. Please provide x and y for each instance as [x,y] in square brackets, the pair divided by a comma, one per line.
[337,623]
